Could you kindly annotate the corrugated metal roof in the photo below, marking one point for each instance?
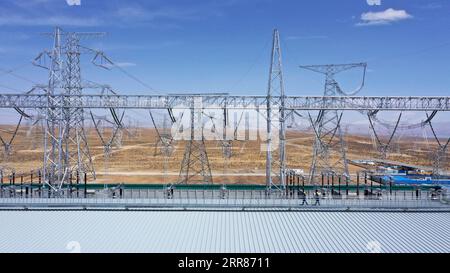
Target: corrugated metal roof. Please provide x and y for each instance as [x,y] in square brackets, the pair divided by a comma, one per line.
[225,231]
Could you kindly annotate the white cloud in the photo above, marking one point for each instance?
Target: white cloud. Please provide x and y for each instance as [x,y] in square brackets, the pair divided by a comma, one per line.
[55,12]
[41,13]
[19,20]
[383,17]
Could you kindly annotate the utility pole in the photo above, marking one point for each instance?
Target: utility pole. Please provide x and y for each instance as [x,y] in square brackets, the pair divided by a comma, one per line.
[276,156]
[327,126]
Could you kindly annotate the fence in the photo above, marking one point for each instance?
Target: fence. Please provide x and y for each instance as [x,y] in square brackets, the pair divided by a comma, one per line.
[235,199]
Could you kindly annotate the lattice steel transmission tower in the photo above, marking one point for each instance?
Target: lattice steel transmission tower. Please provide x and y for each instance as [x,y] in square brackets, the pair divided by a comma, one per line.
[195,166]
[65,143]
[166,143]
[440,160]
[276,156]
[383,148]
[327,126]
[440,156]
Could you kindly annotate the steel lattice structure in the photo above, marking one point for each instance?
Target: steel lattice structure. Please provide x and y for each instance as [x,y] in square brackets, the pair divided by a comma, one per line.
[65,144]
[275,111]
[195,165]
[219,102]
[62,105]
[441,154]
[299,103]
[327,126]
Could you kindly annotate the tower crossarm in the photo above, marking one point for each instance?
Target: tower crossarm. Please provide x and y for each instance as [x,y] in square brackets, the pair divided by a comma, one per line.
[332,68]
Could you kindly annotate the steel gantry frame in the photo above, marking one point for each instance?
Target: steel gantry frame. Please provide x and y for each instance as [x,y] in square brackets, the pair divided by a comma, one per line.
[299,103]
[219,102]
[62,105]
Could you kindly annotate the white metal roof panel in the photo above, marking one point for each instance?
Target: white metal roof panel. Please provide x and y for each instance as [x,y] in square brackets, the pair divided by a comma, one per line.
[226,231]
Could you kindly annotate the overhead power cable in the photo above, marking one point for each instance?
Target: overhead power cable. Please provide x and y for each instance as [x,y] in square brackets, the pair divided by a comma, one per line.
[252,65]
[9,72]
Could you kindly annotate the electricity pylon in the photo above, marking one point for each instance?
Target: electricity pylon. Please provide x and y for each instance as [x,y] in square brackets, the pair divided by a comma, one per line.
[195,166]
[276,156]
[327,126]
[440,156]
[65,143]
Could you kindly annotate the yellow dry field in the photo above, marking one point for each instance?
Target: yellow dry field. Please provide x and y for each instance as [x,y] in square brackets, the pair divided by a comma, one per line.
[140,161]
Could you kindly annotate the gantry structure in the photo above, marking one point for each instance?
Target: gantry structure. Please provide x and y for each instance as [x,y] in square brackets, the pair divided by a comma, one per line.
[62,105]
[244,102]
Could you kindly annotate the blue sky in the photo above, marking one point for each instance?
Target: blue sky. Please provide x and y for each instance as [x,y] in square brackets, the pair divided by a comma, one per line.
[224,46]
